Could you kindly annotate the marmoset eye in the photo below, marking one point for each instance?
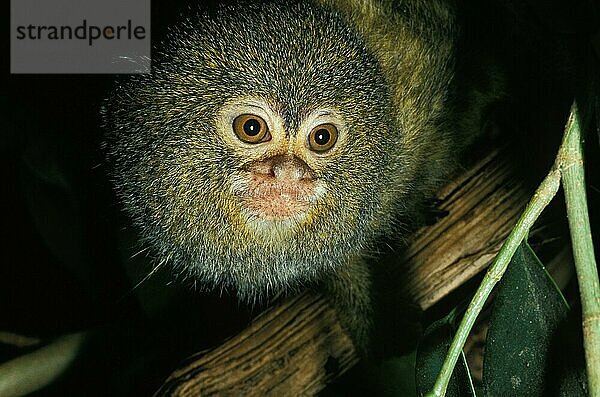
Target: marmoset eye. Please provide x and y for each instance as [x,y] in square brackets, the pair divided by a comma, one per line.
[322,137]
[251,128]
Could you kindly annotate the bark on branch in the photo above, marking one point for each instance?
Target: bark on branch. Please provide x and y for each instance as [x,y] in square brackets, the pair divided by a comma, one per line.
[297,347]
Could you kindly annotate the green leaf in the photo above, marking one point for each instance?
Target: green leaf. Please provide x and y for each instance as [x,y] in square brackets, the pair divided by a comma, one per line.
[430,357]
[528,313]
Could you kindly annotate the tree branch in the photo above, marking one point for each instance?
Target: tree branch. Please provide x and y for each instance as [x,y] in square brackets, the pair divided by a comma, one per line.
[297,347]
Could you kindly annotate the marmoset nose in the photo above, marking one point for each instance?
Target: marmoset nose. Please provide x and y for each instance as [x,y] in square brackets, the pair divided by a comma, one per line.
[282,167]
[290,168]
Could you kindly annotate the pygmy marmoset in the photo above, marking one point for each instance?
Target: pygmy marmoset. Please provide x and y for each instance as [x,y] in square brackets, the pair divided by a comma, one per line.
[274,142]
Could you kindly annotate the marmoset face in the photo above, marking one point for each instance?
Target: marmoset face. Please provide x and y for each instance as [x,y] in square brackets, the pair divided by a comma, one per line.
[277,185]
[256,154]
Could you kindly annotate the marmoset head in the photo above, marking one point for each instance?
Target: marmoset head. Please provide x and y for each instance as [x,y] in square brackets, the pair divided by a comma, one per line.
[257,154]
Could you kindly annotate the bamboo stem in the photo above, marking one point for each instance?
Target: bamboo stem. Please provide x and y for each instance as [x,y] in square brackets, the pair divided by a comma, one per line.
[543,195]
[33,371]
[569,166]
[572,171]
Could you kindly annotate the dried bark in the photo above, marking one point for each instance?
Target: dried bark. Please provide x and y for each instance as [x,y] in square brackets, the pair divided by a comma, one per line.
[297,347]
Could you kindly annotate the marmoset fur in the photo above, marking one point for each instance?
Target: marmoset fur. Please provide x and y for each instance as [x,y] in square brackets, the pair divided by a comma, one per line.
[274,142]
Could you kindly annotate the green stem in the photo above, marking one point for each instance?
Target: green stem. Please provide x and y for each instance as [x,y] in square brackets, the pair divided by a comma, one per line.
[568,161]
[543,195]
[583,249]
[33,371]
[569,165]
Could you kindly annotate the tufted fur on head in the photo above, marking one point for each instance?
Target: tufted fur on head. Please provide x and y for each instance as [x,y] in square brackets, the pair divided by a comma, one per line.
[384,68]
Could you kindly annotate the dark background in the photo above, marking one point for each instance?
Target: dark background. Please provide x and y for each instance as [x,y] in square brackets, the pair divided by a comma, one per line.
[66,248]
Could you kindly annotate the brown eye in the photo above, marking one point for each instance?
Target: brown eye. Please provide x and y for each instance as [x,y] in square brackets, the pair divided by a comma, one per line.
[251,128]
[323,137]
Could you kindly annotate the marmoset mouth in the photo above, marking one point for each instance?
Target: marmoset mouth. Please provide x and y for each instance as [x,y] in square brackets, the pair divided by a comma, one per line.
[274,204]
[277,189]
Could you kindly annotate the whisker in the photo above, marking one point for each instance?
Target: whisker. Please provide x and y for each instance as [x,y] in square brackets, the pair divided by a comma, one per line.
[150,274]
[139,252]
